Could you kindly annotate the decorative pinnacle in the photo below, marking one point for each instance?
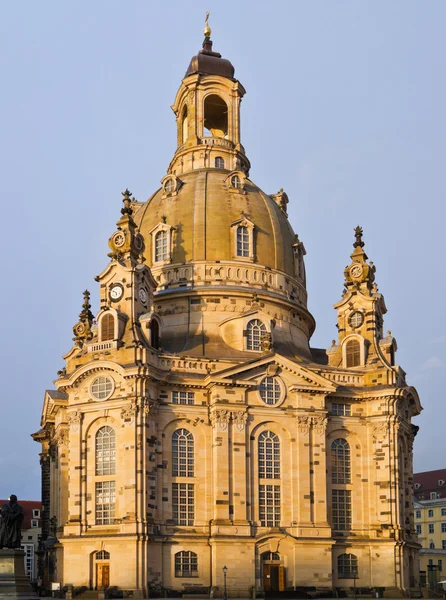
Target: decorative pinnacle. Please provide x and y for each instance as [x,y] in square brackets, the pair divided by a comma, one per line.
[127,201]
[358,234]
[86,314]
[207,29]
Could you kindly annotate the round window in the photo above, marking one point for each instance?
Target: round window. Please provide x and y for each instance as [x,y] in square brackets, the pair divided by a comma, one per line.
[356,319]
[169,186]
[102,388]
[270,390]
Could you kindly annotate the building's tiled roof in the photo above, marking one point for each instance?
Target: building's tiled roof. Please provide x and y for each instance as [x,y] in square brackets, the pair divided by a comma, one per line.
[28,507]
[56,395]
[428,482]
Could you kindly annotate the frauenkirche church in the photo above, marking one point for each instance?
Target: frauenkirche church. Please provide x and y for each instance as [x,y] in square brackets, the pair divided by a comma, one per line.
[193,427]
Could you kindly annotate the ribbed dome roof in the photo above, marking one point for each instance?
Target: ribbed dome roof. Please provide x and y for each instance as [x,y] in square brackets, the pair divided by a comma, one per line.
[207,62]
[202,213]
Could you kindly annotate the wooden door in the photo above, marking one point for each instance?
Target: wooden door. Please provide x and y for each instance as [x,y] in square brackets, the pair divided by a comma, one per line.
[103,575]
[281,578]
[267,578]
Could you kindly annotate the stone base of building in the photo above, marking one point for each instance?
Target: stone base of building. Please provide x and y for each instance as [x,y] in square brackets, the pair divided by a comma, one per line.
[14,584]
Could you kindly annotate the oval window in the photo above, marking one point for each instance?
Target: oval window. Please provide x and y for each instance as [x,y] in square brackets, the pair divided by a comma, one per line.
[356,319]
[270,390]
[102,388]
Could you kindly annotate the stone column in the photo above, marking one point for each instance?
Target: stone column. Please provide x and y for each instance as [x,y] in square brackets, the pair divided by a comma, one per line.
[220,464]
[239,475]
[304,513]
[318,470]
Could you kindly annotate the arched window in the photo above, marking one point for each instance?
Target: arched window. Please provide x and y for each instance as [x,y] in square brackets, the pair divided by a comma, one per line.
[161,249]
[154,334]
[340,462]
[353,353]
[432,546]
[107,327]
[254,332]
[219,163]
[184,126]
[275,556]
[269,455]
[269,468]
[242,241]
[215,116]
[105,451]
[103,555]
[235,182]
[347,566]
[182,453]
[186,564]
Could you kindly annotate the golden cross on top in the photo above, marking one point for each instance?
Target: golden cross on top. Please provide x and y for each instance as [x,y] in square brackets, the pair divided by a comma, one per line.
[207,29]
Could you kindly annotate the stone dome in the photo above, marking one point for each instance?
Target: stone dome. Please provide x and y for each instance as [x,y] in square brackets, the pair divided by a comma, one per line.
[202,213]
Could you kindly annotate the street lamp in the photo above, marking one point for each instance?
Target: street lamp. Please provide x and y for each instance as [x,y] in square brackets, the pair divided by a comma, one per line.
[225,570]
[355,575]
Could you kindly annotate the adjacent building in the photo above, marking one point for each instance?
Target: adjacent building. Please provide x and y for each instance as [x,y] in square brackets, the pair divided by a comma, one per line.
[193,426]
[430,523]
[31,534]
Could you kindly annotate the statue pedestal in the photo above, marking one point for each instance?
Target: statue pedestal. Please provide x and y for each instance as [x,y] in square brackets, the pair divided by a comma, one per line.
[14,584]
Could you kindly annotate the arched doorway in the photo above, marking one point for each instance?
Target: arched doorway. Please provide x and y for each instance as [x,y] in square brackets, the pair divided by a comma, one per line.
[102,569]
[273,572]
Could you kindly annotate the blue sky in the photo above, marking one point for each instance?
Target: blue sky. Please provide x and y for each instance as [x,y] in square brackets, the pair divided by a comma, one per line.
[344,110]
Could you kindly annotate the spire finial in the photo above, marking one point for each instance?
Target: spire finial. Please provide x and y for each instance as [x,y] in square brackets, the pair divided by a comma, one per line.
[127,201]
[358,234]
[207,29]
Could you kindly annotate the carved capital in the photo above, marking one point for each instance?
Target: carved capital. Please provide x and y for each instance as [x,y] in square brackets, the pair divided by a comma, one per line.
[240,418]
[303,423]
[379,430]
[150,408]
[319,424]
[220,417]
[74,420]
[128,413]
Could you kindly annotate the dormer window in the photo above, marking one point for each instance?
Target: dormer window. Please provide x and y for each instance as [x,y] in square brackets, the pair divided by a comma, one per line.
[242,241]
[255,330]
[235,182]
[169,186]
[219,163]
[161,248]
[161,243]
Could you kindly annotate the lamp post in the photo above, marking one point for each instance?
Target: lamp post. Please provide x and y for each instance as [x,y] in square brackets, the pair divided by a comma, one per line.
[225,570]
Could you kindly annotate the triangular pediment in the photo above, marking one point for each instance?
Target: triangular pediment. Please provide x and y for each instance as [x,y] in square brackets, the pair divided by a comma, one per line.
[302,377]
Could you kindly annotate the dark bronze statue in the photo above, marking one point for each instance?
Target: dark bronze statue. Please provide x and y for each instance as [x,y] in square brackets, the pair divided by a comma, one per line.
[12,518]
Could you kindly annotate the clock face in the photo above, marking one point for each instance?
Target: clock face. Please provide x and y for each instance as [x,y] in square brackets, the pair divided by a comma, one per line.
[80,328]
[116,292]
[356,271]
[143,296]
[119,239]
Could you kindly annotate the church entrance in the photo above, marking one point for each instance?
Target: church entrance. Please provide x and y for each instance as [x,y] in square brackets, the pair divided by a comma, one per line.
[102,569]
[273,572]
